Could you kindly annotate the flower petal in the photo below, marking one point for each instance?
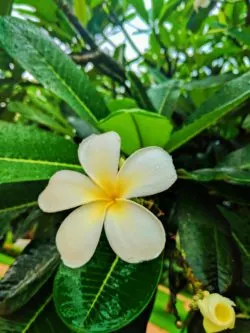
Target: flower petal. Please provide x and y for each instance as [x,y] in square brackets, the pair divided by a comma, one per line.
[79,234]
[210,327]
[133,232]
[148,171]
[99,156]
[68,189]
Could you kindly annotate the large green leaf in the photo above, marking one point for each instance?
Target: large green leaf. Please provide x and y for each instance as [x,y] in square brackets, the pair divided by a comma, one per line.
[168,8]
[140,9]
[138,128]
[29,272]
[232,95]
[165,97]
[105,294]
[5,7]
[40,56]
[235,169]
[27,153]
[241,34]
[197,18]
[240,229]
[37,316]
[206,239]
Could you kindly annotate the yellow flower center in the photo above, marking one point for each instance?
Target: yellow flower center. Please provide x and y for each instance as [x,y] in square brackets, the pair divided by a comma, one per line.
[223,313]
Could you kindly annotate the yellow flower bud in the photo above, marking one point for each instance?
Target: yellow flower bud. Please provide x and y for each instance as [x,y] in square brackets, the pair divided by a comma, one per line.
[218,313]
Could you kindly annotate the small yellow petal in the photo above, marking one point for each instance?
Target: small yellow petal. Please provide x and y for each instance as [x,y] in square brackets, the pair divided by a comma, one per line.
[210,327]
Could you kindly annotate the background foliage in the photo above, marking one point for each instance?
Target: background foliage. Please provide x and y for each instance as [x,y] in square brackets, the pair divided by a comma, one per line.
[158,73]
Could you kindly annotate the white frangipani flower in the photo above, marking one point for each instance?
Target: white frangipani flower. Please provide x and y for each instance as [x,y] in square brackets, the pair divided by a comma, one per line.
[201,3]
[133,232]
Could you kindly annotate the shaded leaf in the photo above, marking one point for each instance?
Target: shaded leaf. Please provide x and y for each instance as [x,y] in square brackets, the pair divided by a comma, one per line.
[232,95]
[240,226]
[235,169]
[197,18]
[241,34]
[26,276]
[139,93]
[165,97]
[206,239]
[38,316]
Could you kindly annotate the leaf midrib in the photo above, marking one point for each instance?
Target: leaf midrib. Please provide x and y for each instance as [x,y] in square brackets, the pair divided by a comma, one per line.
[64,83]
[41,162]
[26,205]
[34,317]
[104,283]
[206,119]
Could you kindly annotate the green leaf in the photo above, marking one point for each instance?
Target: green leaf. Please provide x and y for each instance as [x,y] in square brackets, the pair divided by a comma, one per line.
[29,272]
[165,97]
[156,8]
[27,153]
[140,9]
[36,115]
[240,226]
[121,104]
[196,20]
[246,123]
[5,7]
[81,11]
[168,9]
[38,316]
[227,99]
[212,81]
[241,34]
[19,195]
[16,199]
[229,175]
[105,294]
[206,239]
[138,128]
[235,169]
[40,56]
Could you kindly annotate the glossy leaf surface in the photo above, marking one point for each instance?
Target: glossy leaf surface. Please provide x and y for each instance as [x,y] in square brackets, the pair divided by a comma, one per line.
[138,128]
[39,153]
[105,294]
[206,239]
[37,54]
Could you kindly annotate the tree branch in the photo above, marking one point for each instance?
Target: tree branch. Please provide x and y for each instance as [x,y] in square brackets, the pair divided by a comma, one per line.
[104,62]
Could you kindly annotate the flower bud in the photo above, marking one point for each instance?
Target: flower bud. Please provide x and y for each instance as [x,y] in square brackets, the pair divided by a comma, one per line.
[218,313]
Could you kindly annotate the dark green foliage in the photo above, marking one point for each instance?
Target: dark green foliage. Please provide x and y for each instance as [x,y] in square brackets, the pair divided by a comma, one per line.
[159,73]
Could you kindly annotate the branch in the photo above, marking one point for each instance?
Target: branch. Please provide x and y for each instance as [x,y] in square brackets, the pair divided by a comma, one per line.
[97,56]
[114,19]
[170,70]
